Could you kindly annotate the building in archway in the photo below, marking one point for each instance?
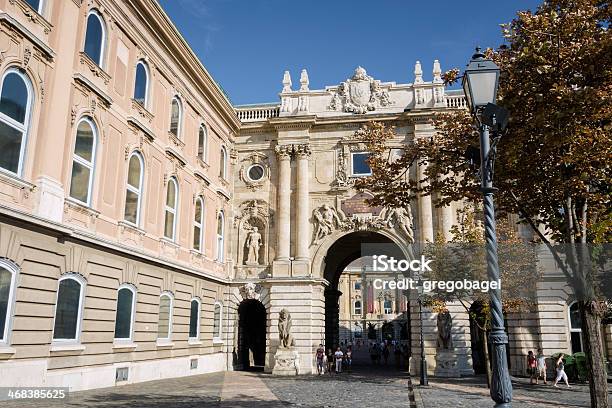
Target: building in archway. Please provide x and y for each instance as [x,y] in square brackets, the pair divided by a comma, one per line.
[149,229]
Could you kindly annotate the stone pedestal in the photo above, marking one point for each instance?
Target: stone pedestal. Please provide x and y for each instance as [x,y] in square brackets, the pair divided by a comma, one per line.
[286,362]
[447,363]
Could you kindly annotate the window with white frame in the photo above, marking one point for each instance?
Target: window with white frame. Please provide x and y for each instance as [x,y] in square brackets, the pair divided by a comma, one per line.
[359,164]
[141,83]
[220,236]
[176,113]
[8,279]
[171,209]
[95,37]
[124,318]
[388,306]
[68,308]
[218,311]
[194,320]
[357,307]
[223,163]
[15,108]
[37,5]
[164,325]
[575,326]
[357,285]
[133,193]
[198,225]
[203,143]
[83,159]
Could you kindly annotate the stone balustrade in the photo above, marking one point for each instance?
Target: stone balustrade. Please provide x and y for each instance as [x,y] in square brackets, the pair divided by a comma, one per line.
[456,101]
[257,113]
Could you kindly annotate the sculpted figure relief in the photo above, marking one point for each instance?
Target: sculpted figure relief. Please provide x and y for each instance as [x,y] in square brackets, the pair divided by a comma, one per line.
[401,218]
[326,221]
[253,243]
[284,330]
[445,324]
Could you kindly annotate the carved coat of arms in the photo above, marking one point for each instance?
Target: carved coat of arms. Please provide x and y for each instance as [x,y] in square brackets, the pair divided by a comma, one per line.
[359,94]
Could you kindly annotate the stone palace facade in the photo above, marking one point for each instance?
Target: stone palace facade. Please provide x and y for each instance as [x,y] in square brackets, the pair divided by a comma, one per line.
[149,229]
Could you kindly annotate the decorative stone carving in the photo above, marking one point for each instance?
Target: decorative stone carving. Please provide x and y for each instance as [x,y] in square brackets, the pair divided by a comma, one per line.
[255,158]
[445,324]
[401,218]
[287,358]
[359,94]
[327,220]
[302,150]
[283,151]
[286,82]
[304,80]
[250,291]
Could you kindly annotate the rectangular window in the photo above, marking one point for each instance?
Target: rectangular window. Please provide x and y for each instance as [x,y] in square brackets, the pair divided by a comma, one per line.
[217,322]
[67,310]
[359,165]
[358,285]
[194,318]
[123,318]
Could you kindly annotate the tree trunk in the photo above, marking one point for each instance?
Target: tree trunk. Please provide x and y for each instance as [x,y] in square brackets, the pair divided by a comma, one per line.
[591,332]
[485,349]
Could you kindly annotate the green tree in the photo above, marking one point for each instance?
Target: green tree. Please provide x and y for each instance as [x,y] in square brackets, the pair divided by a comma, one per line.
[552,165]
[463,258]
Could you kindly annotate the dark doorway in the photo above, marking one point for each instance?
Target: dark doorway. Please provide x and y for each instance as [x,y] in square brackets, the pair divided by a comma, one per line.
[252,335]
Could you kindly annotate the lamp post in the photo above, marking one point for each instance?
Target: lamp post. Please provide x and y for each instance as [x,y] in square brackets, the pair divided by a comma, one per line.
[480,82]
[424,379]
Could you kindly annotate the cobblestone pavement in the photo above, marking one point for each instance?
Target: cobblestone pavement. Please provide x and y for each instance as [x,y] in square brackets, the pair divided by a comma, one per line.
[367,385]
[472,393]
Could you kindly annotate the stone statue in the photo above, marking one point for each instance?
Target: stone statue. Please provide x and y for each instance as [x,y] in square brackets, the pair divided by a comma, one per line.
[253,243]
[284,330]
[326,220]
[401,218]
[445,324]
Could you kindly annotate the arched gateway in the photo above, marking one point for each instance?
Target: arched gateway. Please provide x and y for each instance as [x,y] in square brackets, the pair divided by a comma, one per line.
[298,220]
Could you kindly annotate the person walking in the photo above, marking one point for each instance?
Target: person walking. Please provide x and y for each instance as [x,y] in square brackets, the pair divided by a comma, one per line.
[320,356]
[397,353]
[349,358]
[385,353]
[561,372]
[338,356]
[541,366]
[330,361]
[531,368]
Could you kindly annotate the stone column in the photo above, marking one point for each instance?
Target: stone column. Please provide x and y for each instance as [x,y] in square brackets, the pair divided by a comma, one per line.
[303,208]
[446,215]
[284,198]
[332,318]
[425,209]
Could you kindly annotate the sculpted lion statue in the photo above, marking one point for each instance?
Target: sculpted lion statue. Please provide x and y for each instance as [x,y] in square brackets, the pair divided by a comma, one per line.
[445,324]
[284,329]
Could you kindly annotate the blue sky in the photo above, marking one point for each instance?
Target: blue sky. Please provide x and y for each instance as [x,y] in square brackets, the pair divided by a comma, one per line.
[247,44]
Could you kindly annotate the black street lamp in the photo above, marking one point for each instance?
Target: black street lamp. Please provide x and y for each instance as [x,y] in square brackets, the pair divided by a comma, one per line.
[480,82]
[424,379]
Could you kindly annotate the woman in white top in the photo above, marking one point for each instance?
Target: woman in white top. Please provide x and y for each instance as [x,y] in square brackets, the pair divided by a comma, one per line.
[561,372]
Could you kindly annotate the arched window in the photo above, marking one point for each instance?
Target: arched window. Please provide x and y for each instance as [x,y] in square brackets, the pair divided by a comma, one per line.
[141,83]
[194,320]
[202,143]
[37,5]
[217,322]
[575,326]
[8,275]
[95,37]
[164,326]
[357,307]
[171,209]
[176,113]
[124,320]
[133,194]
[388,306]
[15,106]
[198,225]
[83,161]
[223,163]
[68,309]
[220,236]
